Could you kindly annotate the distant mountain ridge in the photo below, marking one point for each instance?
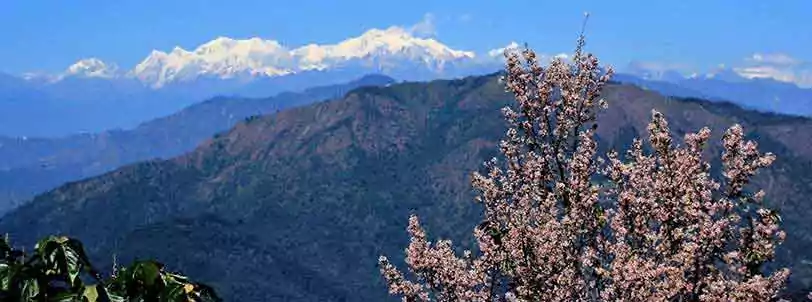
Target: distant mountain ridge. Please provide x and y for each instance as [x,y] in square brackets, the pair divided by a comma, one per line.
[76,105]
[305,200]
[763,94]
[32,165]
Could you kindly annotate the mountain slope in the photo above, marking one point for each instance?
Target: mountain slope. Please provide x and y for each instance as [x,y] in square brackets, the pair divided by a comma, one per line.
[29,166]
[328,187]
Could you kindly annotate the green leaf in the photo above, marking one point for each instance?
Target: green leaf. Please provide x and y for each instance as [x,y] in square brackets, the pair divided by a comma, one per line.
[30,290]
[173,292]
[81,256]
[64,297]
[150,272]
[6,274]
[62,260]
[105,295]
[91,294]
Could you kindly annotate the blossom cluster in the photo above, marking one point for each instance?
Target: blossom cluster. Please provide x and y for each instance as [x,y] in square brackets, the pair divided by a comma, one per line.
[563,223]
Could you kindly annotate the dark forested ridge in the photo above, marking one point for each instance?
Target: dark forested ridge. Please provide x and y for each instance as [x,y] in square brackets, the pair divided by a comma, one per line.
[298,205]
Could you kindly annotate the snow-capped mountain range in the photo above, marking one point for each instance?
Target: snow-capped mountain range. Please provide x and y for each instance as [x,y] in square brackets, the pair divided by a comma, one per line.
[376,50]
[92,95]
[228,58]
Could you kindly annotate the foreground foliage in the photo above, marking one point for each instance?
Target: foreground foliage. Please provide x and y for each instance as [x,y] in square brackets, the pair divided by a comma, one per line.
[564,224]
[58,266]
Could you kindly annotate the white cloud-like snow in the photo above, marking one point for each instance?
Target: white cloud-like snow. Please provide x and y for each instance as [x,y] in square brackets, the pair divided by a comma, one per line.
[774,58]
[500,52]
[777,66]
[225,57]
[92,67]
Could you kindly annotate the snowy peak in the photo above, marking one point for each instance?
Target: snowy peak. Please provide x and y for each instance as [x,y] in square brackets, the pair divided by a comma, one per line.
[252,46]
[93,68]
[225,57]
[393,43]
[222,57]
[396,40]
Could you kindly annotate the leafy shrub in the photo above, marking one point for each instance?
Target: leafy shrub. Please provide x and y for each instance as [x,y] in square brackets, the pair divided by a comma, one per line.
[58,265]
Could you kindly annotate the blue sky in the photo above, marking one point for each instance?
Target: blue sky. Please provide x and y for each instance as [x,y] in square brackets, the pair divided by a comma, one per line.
[48,36]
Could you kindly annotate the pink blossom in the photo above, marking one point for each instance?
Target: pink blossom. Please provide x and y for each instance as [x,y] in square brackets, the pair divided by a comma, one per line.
[658,228]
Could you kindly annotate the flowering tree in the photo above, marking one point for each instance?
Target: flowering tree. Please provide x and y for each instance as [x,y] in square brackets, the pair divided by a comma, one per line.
[564,224]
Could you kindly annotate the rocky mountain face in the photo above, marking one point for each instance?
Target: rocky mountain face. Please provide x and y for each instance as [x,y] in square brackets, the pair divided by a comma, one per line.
[298,205]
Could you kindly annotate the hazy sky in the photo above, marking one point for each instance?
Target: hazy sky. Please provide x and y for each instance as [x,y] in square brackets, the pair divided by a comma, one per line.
[694,35]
